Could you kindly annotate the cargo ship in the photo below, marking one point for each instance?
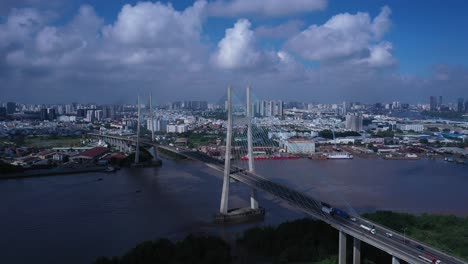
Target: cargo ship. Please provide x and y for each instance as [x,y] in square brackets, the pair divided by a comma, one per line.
[342,155]
[255,158]
[409,156]
[274,157]
[282,157]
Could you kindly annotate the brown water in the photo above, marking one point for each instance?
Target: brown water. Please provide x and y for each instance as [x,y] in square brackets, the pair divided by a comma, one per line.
[75,218]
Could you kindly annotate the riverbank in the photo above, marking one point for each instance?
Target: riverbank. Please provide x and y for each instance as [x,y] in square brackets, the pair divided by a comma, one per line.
[298,241]
[51,172]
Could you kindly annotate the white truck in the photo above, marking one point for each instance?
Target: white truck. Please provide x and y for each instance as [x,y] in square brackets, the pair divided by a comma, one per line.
[370,229]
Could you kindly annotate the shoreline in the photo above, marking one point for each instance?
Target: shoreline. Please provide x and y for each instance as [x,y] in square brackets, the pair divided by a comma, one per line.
[51,172]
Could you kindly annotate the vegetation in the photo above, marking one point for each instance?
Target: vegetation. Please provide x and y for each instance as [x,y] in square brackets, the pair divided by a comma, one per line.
[145,156]
[52,141]
[193,249]
[300,241]
[329,134]
[303,240]
[385,134]
[199,139]
[446,232]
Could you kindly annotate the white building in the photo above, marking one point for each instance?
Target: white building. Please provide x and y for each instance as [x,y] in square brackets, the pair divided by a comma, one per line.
[298,145]
[354,122]
[177,128]
[414,127]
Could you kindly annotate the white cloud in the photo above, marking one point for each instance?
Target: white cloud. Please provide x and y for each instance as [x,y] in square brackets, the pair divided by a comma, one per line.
[237,48]
[341,37]
[273,8]
[148,24]
[282,31]
[20,26]
[380,55]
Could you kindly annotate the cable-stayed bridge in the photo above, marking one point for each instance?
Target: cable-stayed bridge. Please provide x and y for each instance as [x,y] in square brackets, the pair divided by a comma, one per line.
[399,246]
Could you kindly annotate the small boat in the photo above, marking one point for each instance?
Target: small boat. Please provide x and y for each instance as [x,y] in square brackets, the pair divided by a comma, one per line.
[449,159]
[110,169]
[342,155]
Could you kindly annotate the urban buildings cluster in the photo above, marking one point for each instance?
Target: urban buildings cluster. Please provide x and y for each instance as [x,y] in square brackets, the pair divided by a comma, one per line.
[294,128]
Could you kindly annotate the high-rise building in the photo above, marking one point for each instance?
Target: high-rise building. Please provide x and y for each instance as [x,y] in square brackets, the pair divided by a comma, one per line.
[90,115]
[354,122]
[68,109]
[433,103]
[81,112]
[460,106]
[98,115]
[43,114]
[51,114]
[11,108]
[466,106]
[3,111]
[268,108]
[440,101]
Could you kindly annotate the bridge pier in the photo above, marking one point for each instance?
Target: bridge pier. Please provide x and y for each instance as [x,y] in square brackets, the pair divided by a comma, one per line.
[356,251]
[342,247]
[395,260]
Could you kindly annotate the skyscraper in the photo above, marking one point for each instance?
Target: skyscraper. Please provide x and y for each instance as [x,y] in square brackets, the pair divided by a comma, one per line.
[433,102]
[440,101]
[354,122]
[460,105]
[11,108]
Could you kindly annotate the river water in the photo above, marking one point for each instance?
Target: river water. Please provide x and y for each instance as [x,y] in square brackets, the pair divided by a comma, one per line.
[75,218]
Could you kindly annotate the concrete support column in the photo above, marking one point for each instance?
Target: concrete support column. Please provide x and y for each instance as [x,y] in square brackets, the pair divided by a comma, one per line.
[227,157]
[342,247]
[356,251]
[395,260]
[253,192]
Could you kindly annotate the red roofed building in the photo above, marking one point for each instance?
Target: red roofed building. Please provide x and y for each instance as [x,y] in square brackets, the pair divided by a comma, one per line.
[90,155]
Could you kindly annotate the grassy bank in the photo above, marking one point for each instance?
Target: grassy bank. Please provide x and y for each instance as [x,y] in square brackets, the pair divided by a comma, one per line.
[52,142]
[446,232]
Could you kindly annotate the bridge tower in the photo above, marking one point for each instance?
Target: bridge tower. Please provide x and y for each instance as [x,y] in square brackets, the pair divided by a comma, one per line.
[137,151]
[239,214]
[227,157]
[253,191]
[152,150]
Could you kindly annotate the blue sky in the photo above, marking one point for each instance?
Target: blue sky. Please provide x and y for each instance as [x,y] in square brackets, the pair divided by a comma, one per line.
[417,49]
[424,33]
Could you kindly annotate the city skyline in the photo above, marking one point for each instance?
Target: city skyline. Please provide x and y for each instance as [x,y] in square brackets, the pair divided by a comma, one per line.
[63,51]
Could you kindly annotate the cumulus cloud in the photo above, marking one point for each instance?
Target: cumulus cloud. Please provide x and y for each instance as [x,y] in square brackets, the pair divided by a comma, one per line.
[270,8]
[282,31]
[345,36]
[153,46]
[156,24]
[237,48]
[20,26]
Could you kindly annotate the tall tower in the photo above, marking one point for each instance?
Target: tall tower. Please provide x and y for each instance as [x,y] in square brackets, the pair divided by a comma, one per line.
[151,116]
[253,191]
[227,158]
[137,152]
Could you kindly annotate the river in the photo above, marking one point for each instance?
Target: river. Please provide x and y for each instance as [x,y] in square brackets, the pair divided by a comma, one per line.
[75,218]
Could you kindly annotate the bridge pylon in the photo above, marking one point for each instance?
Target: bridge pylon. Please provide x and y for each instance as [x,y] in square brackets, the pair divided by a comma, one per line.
[225,214]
